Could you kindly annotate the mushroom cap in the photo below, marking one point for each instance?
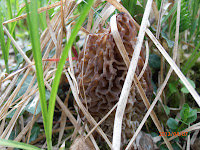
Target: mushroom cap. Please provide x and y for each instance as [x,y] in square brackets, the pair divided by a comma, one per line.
[101,72]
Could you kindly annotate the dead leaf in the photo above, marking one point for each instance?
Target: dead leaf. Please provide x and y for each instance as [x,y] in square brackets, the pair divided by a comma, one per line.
[80,143]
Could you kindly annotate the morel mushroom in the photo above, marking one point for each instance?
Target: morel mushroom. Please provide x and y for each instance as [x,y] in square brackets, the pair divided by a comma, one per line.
[101,72]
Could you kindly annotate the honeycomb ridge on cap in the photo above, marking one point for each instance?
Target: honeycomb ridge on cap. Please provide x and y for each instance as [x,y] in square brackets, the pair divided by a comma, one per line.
[104,70]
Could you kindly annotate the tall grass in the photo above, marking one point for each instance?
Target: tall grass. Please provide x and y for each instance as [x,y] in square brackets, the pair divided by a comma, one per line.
[62,62]
[7,14]
[33,22]
[12,29]
[192,59]
[9,11]
[3,44]
[15,144]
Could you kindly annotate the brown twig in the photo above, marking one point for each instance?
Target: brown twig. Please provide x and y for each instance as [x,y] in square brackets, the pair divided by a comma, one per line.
[42,9]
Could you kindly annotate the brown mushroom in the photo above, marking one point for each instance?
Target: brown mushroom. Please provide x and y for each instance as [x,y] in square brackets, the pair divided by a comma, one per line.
[101,72]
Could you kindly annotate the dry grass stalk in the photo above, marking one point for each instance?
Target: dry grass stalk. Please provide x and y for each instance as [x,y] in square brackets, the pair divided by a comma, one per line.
[155,11]
[129,78]
[39,11]
[62,16]
[189,129]
[146,60]
[159,20]
[85,112]
[174,56]
[154,116]
[10,99]
[63,119]
[17,47]
[19,107]
[174,67]
[105,13]
[17,89]
[5,93]
[99,123]
[25,129]
[43,136]
[10,76]
[194,136]
[170,61]
[92,139]
[162,65]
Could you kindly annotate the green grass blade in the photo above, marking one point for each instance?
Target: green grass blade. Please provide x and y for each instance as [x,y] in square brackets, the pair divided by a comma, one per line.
[42,16]
[33,22]
[169,14]
[192,59]
[187,66]
[13,28]
[158,3]
[10,16]
[9,11]
[197,38]
[43,21]
[195,16]
[3,44]
[130,6]
[185,20]
[14,23]
[62,62]
[15,144]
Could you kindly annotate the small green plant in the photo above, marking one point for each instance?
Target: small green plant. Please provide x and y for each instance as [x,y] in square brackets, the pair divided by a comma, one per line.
[134,9]
[185,20]
[173,87]
[184,89]
[187,116]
